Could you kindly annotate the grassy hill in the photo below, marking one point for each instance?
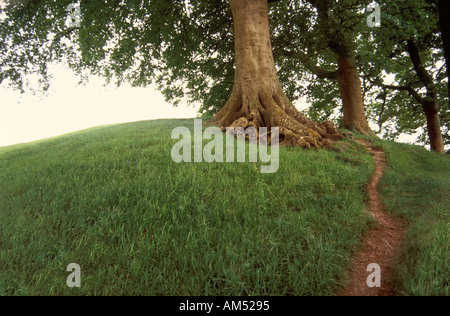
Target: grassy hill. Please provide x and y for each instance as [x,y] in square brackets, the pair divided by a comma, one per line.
[112,200]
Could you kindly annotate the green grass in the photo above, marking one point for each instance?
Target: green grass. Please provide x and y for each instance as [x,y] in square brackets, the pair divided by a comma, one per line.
[111,200]
[416,186]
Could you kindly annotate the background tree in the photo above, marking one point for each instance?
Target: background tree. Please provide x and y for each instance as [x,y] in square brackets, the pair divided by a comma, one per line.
[413,53]
[379,53]
[354,117]
[326,48]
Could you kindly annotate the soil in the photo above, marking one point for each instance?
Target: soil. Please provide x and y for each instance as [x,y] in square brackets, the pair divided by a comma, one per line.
[382,244]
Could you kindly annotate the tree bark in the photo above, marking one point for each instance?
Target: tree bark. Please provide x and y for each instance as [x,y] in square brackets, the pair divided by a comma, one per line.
[354,117]
[434,127]
[257,99]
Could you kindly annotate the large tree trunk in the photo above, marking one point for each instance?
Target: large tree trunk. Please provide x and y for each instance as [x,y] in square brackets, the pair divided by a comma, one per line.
[434,127]
[354,117]
[257,99]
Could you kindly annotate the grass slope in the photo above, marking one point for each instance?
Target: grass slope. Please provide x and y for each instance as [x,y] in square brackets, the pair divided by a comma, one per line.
[416,186]
[111,200]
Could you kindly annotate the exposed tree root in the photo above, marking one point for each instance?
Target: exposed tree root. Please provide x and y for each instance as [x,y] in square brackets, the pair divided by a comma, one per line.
[263,109]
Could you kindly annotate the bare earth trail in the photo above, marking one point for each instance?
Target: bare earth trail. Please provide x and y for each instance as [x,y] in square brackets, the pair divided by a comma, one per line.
[382,244]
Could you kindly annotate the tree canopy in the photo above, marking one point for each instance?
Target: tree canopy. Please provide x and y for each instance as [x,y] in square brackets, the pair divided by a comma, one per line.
[186,48]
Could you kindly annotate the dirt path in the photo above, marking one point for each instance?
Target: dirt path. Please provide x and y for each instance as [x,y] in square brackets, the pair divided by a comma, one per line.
[381,245]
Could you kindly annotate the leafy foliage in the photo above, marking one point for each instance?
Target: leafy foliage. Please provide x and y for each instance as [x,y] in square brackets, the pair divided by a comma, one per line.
[387,65]
[186,48]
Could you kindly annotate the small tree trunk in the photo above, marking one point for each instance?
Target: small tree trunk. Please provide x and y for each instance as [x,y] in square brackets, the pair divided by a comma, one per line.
[354,117]
[430,105]
[434,127]
[257,99]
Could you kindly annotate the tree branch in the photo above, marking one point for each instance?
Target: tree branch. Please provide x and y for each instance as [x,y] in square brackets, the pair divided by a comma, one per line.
[304,59]
[421,72]
[409,89]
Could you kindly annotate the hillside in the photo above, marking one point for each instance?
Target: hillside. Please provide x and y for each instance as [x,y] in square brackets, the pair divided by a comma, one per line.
[112,200]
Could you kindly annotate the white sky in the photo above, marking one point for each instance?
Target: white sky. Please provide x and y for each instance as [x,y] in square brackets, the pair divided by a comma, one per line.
[70,107]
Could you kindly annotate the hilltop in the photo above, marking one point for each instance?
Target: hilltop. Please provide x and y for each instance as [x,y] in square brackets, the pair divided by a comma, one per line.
[112,200]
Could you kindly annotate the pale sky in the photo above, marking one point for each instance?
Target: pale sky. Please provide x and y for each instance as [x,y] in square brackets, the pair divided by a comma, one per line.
[69,108]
